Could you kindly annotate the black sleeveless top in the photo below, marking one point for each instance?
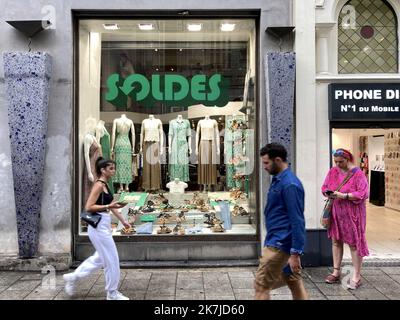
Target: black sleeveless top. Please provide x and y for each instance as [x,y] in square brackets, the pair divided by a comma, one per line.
[104,198]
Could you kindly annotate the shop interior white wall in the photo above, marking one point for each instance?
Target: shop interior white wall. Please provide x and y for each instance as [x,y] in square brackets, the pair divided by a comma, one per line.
[89,88]
[55,234]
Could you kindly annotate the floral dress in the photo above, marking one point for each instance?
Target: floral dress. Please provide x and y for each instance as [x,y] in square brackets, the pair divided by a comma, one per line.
[349,216]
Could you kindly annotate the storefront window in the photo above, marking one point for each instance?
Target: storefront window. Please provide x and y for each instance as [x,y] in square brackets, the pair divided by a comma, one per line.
[172,103]
[367,37]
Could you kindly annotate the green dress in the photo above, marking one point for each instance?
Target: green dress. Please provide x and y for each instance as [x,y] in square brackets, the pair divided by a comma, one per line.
[234,151]
[106,153]
[123,159]
[179,131]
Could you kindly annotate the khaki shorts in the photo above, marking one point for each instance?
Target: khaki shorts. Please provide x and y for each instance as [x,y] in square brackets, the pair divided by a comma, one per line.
[269,274]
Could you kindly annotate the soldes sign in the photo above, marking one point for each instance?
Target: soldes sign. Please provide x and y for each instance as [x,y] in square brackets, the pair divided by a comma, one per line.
[170,89]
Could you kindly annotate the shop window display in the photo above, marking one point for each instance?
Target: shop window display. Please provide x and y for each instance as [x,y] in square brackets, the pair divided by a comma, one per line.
[181,157]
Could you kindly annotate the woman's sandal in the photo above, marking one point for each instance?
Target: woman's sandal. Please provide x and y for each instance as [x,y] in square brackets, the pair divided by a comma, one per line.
[351,285]
[332,278]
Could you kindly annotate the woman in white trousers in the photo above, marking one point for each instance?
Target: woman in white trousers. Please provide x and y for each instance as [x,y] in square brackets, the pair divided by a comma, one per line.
[106,256]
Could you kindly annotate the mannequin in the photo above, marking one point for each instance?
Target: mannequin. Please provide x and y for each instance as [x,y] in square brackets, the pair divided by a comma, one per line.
[176,190]
[91,150]
[207,149]
[151,146]
[122,149]
[179,141]
[177,186]
[103,137]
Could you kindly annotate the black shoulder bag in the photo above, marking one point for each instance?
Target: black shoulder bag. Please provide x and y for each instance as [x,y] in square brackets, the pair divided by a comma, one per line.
[92,218]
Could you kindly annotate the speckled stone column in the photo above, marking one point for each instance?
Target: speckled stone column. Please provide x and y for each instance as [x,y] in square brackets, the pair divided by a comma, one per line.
[27,78]
[280,81]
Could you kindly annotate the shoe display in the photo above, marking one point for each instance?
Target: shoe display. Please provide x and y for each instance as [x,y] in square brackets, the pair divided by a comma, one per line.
[130,230]
[164,230]
[69,279]
[116,295]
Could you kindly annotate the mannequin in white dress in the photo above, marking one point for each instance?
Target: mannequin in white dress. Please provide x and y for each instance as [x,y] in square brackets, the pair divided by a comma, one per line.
[207,150]
[151,146]
[123,149]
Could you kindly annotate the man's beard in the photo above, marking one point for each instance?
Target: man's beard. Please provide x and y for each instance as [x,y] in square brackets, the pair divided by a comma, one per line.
[274,169]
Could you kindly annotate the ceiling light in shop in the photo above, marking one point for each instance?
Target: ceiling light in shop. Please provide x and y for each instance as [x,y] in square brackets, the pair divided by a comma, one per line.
[146,26]
[227,26]
[194,26]
[110,26]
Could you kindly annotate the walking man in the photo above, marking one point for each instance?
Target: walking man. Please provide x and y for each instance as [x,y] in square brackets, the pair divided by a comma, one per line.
[284,218]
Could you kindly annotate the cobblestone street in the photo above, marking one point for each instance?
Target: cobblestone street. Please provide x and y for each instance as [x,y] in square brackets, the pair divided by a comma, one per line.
[379,283]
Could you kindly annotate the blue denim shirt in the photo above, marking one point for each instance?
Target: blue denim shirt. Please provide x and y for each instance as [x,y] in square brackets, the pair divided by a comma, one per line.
[284,213]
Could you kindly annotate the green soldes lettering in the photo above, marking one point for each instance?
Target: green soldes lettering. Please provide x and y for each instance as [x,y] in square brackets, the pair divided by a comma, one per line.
[171,84]
[198,87]
[112,83]
[132,91]
[155,87]
[214,82]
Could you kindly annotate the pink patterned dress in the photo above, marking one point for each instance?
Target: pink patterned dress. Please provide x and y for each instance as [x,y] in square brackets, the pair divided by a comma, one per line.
[349,216]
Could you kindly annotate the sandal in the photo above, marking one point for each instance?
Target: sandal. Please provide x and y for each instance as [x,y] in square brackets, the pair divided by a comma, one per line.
[351,285]
[332,278]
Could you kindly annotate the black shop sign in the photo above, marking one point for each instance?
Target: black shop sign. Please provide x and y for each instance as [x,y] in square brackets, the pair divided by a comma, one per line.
[364,102]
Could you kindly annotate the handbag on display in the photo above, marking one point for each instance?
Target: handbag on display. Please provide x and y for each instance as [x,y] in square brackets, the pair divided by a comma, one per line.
[225,214]
[326,217]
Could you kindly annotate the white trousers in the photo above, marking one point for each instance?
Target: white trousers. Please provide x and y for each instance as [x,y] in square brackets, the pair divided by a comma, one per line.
[106,255]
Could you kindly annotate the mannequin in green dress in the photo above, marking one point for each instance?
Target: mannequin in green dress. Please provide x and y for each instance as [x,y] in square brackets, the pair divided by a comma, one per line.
[103,137]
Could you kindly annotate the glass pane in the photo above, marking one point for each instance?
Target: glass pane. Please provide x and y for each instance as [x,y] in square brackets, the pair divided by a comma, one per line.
[174,105]
[372,38]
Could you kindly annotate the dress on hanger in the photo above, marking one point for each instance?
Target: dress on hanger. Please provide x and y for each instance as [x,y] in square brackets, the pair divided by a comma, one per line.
[233,145]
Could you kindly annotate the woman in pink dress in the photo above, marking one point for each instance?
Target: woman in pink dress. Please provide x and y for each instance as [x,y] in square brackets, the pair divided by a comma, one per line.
[348,218]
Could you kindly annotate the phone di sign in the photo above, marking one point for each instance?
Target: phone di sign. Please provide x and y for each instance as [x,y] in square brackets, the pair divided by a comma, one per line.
[358,102]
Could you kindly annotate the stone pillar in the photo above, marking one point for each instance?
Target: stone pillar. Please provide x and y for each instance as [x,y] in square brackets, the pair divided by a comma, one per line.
[27,76]
[322,55]
[280,79]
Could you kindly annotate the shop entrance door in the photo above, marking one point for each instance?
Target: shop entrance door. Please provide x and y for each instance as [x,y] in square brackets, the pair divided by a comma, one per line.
[376,151]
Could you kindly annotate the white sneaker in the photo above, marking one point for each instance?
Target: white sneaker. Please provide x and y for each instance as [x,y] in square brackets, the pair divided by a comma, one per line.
[116,295]
[69,279]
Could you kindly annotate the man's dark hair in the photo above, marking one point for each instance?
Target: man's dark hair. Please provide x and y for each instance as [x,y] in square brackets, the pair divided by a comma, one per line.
[274,150]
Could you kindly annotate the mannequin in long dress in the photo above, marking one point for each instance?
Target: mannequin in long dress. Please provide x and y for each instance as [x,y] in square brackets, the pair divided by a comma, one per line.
[207,150]
[123,150]
[179,141]
[91,152]
[151,146]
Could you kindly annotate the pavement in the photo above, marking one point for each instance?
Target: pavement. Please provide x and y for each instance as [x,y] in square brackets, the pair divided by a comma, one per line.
[229,283]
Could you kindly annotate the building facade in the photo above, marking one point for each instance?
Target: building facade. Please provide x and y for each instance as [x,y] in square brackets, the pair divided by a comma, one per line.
[84,57]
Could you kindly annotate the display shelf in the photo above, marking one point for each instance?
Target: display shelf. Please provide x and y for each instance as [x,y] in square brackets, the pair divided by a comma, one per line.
[392,169]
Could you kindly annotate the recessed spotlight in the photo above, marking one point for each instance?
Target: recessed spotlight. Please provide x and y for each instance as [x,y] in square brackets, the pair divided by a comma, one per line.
[156,50]
[194,26]
[181,50]
[146,26]
[110,26]
[227,27]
